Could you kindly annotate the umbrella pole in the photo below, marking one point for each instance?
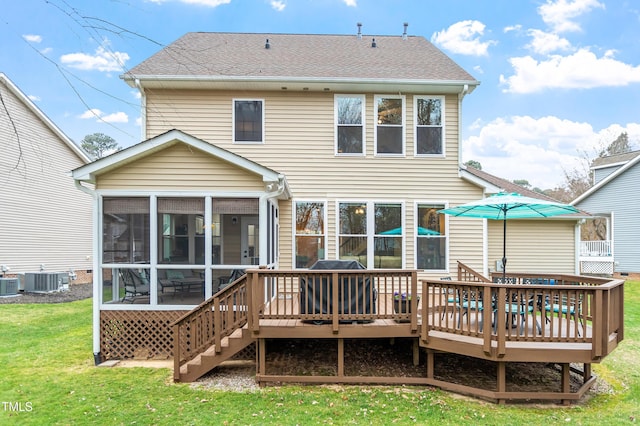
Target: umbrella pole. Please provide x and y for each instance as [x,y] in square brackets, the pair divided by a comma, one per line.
[504,249]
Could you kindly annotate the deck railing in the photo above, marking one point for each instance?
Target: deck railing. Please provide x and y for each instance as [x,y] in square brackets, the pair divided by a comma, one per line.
[538,308]
[595,249]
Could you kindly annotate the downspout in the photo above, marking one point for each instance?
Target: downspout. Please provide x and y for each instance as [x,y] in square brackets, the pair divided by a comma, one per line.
[461,95]
[143,110]
[263,215]
[97,357]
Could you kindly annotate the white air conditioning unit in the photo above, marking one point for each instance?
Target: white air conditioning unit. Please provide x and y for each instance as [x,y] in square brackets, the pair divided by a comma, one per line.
[45,281]
[9,286]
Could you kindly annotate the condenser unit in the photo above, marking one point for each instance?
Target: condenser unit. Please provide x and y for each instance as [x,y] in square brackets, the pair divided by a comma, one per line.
[9,286]
[45,281]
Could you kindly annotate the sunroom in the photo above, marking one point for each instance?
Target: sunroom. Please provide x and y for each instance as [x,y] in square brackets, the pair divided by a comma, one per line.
[163,241]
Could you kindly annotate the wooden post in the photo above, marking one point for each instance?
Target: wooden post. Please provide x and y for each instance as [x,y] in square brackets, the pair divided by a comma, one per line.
[416,352]
[334,302]
[566,382]
[430,363]
[176,352]
[262,358]
[340,357]
[501,379]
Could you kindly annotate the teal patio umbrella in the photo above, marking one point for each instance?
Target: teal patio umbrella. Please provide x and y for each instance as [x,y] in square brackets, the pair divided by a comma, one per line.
[421,231]
[503,206]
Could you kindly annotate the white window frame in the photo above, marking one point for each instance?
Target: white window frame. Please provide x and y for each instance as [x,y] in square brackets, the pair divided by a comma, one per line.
[442,125]
[362,124]
[324,236]
[376,98]
[416,223]
[233,120]
[370,210]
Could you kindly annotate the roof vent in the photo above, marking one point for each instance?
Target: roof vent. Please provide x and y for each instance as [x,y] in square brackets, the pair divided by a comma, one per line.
[404,34]
[373,42]
[359,30]
[267,45]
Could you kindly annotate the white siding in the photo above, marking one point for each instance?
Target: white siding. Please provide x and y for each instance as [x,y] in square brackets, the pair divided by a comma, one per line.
[44,218]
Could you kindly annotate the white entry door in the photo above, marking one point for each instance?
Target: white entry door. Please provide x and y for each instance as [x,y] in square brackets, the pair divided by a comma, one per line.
[250,236]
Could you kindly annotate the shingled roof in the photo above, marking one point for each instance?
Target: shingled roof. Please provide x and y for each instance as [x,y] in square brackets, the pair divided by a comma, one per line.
[208,56]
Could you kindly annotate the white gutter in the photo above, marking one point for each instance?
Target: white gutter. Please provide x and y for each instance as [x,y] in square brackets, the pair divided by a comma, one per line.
[143,110]
[461,96]
[97,276]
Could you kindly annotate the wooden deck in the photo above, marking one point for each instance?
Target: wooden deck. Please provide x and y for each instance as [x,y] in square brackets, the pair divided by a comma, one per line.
[529,318]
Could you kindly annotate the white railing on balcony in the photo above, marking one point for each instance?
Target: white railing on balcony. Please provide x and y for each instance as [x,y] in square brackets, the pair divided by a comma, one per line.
[595,248]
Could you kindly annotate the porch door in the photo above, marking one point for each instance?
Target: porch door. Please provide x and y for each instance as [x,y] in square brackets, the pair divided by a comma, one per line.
[250,240]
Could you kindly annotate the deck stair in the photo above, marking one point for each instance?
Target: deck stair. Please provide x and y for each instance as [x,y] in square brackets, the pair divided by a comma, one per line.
[211,358]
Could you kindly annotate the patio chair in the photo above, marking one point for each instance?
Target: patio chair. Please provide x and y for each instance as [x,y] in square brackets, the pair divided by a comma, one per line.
[468,301]
[224,281]
[135,283]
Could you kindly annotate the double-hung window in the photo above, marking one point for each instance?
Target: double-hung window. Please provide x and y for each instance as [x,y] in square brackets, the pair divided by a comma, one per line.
[390,122]
[431,238]
[349,119]
[248,120]
[310,233]
[371,233]
[429,131]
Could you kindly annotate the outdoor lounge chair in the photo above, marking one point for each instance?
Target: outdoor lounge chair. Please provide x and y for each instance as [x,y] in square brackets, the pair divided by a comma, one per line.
[135,283]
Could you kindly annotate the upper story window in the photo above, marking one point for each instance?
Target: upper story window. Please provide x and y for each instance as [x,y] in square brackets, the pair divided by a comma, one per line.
[429,119]
[349,119]
[390,124]
[248,120]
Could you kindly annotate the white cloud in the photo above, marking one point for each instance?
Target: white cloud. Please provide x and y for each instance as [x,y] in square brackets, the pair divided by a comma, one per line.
[278,5]
[581,70]
[32,38]
[559,14]
[101,117]
[464,38]
[116,117]
[512,28]
[102,60]
[92,113]
[351,3]
[539,150]
[208,3]
[544,43]
[34,98]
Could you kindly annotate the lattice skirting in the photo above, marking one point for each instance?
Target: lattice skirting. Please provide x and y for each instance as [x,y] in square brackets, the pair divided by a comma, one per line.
[144,335]
[137,334]
[596,267]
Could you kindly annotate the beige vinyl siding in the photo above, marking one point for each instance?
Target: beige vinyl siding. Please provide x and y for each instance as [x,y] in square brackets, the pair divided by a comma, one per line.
[180,167]
[44,218]
[534,245]
[299,142]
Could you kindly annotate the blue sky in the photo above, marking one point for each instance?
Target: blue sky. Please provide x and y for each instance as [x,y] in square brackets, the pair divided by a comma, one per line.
[560,79]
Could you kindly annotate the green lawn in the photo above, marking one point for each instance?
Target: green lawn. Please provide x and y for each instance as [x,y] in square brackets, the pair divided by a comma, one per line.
[48,377]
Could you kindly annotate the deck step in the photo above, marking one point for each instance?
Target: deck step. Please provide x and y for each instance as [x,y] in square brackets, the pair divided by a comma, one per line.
[210,359]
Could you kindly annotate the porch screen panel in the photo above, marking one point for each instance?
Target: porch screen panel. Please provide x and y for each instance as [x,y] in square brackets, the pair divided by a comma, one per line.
[249,206]
[181,230]
[431,244]
[125,230]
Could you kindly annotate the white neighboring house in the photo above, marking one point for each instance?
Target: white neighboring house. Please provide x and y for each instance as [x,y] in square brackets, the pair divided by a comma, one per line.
[45,222]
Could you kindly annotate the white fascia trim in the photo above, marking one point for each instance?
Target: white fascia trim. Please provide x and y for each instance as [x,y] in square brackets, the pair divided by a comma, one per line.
[606,180]
[87,173]
[43,117]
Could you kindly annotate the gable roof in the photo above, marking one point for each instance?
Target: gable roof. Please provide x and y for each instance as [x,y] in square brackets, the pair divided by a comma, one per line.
[89,172]
[315,62]
[613,160]
[505,185]
[42,117]
[630,163]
